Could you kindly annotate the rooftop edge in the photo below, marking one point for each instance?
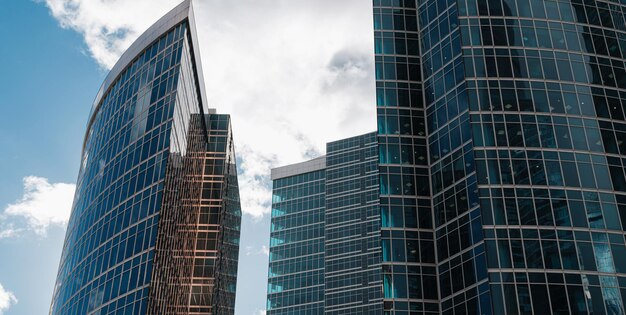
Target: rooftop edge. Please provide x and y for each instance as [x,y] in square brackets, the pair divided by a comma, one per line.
[180,13]
[313,165]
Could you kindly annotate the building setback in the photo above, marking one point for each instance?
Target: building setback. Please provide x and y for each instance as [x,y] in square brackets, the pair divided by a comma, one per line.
[155,222]
[502,158]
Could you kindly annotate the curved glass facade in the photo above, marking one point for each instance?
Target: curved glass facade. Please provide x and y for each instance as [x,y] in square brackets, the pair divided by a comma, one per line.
[147,190]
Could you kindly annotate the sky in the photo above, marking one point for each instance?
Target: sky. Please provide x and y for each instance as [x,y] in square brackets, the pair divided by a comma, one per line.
[293,74]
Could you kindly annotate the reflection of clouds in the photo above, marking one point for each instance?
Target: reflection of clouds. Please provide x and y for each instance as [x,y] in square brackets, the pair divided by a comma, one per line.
[96,297]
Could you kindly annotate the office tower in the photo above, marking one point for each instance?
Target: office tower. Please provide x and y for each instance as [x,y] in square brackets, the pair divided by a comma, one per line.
[502,156]
[525,137]
[296,260]
[155,222]
[351,227]
[325,239]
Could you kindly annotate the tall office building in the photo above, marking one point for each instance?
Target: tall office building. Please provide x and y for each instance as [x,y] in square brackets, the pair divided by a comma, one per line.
[525,137]
[502,156]
[296,260]
[155,222]
[325,234]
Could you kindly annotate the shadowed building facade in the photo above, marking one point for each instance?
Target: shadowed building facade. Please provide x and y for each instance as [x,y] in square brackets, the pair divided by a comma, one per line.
[296,259]
[523,104]
[155,222]
[502,157]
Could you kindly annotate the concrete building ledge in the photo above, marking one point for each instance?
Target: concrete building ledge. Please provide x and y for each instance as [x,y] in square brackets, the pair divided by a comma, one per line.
[313,165]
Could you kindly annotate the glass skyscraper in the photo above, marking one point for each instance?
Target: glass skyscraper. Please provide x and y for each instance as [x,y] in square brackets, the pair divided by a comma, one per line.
[325,233]
[502,157]
[155,222]
[296,267]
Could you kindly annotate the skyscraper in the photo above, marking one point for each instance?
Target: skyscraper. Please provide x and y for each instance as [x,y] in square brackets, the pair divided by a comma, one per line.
[325,234]
[296,260]
[502,156]
[155,222]
[525,149]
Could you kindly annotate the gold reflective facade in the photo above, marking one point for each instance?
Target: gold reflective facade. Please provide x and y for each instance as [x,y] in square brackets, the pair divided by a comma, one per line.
[217,227]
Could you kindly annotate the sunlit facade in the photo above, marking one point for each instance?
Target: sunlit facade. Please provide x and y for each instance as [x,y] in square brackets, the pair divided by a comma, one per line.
[155,222]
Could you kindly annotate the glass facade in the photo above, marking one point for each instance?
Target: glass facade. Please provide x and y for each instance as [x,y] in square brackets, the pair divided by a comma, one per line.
[352,235]
[296,262]
[523,103]
[325,254]
[501,160]
[407,228]
[151,204]
[219,222]
[556,199]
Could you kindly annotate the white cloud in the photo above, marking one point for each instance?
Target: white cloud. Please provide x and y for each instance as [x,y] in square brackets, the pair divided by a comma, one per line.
[107,30]
[293,74]
[7,299]
[42,205]
[8,231]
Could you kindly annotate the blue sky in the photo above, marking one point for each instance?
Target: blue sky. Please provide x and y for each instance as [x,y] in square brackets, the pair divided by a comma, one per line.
[46,84]
[293,75]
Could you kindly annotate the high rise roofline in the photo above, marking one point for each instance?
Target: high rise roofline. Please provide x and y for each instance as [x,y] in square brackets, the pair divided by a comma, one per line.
[316,164]
[184,11]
